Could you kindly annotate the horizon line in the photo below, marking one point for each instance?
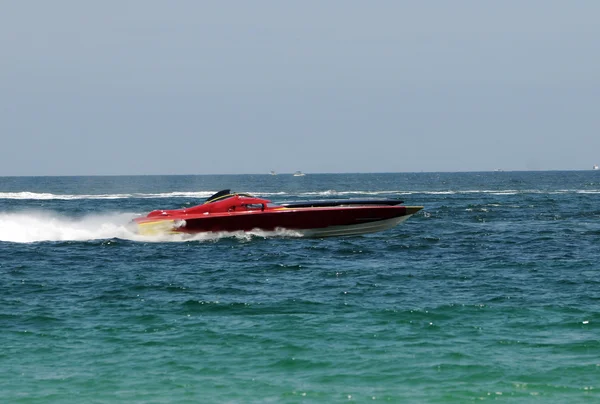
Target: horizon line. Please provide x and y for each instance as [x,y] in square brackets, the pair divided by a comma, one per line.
[292,173]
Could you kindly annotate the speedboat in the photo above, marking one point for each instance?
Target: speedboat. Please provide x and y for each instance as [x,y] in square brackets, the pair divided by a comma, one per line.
[228,211]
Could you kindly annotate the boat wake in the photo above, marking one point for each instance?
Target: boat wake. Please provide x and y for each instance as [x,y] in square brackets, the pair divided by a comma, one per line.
[36,226]
[33,226]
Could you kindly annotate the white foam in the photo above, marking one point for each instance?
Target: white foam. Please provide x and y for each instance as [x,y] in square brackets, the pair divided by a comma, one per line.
[36,226]
[28,227]
[194,195]
[49,196]
[333,192]
[240,235]
[201,195]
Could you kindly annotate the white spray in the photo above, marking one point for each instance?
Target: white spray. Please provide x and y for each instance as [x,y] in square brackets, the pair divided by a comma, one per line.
[36,226]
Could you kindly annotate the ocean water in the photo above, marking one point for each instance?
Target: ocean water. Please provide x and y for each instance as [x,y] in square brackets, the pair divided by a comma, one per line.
[491,292]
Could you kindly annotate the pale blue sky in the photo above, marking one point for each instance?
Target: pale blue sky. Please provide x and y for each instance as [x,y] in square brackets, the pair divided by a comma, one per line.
[191,87]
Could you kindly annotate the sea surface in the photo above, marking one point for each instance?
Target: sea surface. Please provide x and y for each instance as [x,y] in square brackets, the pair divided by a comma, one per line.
[491,292]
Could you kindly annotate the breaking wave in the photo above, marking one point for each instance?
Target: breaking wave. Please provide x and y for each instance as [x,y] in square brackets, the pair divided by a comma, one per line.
[66,197]
[35,226]
[201,195]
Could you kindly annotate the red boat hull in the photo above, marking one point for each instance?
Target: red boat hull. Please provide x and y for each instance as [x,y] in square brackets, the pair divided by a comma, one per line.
[245,213]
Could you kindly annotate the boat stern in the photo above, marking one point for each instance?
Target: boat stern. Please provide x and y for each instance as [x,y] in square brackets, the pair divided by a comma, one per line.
[157,227]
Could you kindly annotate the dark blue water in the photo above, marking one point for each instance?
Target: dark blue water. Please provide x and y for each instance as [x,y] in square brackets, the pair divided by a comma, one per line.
[491,292]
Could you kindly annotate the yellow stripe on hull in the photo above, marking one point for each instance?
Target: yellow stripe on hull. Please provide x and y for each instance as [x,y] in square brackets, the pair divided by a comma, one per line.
[157,228]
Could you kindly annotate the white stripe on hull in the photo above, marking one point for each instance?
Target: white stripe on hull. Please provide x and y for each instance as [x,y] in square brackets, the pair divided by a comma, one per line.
[353,229]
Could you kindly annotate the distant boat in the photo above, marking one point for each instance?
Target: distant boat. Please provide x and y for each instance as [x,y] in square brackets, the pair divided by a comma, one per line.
[595,166]
[273,173]
[298,174]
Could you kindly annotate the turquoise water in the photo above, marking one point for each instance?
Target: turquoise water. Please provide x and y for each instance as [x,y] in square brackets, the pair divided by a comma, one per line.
[492,292]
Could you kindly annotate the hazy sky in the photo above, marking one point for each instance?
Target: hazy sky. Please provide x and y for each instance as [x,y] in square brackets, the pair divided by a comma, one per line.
[192,87]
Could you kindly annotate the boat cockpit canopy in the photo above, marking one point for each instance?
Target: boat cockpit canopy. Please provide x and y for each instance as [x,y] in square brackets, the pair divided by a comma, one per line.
[224,194]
